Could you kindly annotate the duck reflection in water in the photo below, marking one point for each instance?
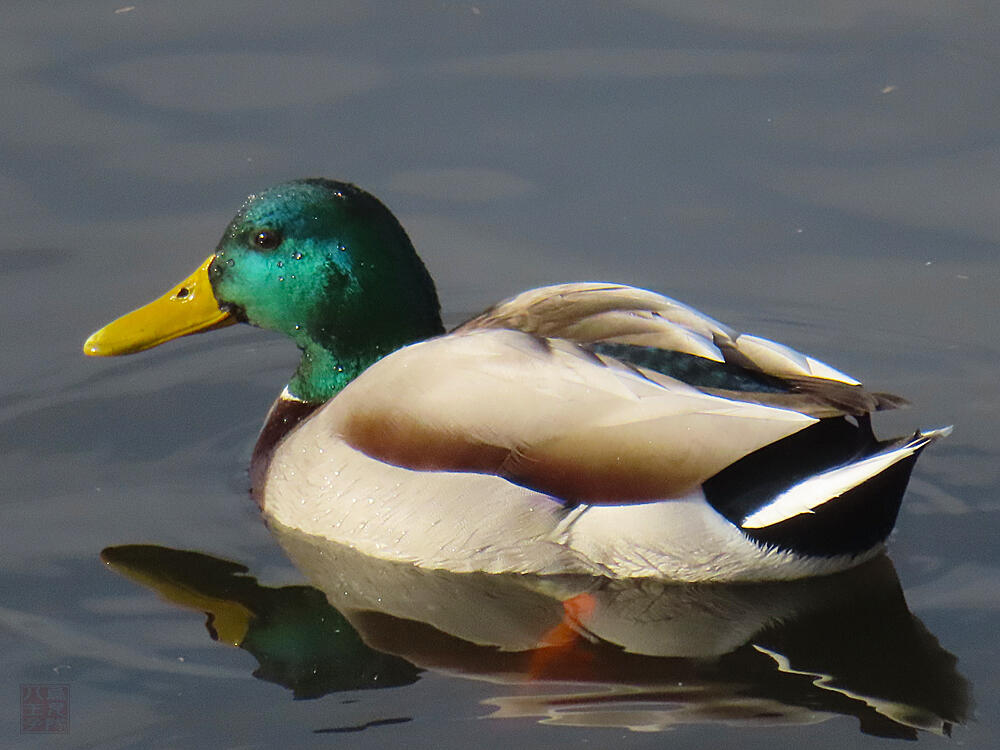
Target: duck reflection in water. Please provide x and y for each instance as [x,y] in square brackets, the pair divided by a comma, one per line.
[638,654]
[299,640]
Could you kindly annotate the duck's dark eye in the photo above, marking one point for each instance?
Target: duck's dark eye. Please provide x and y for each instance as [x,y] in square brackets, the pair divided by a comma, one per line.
[267,239]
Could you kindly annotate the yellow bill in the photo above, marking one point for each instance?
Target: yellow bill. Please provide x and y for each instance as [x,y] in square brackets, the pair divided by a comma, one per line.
[188,308]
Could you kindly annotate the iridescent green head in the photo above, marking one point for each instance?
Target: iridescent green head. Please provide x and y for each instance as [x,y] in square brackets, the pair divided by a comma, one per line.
[321,261]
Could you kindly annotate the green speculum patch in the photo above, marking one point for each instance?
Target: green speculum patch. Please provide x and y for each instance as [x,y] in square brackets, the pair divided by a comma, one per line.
[691,369]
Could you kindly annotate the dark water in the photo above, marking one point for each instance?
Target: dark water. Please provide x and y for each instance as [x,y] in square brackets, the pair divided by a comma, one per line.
[826,177]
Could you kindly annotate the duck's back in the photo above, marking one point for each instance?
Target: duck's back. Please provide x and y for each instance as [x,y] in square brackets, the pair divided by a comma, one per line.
[655,332]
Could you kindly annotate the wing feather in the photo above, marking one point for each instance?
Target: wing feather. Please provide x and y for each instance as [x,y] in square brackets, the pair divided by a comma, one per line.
[596,313]
[548,415]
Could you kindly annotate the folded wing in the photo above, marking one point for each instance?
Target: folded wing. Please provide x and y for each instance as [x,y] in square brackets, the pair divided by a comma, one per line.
[643,327]
[547,414]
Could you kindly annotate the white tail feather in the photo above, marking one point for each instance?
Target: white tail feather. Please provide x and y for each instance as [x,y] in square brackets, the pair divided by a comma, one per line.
[819,489]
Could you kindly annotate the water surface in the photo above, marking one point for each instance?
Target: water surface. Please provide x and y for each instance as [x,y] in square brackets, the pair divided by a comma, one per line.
[827,178]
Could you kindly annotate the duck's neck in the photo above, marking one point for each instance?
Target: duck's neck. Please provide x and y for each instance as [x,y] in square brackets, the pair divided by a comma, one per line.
[322,374]
[329,363]
[324,370]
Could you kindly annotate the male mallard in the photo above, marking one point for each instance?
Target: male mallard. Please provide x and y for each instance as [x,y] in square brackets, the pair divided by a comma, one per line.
[578,428]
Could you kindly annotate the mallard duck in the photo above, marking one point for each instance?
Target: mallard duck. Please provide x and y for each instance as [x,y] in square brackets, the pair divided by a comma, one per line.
[578,428]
